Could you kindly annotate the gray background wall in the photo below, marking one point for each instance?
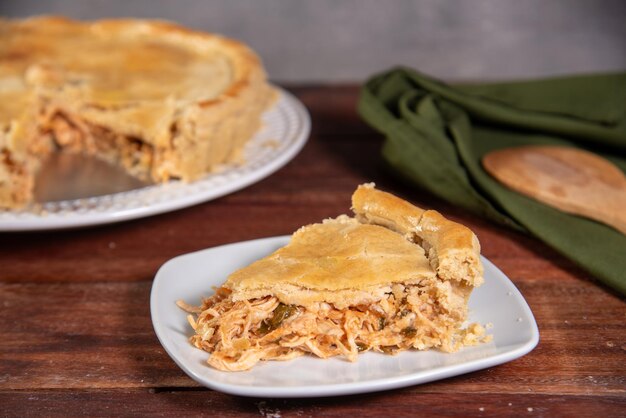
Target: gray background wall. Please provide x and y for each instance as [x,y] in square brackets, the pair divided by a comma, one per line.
[348,40]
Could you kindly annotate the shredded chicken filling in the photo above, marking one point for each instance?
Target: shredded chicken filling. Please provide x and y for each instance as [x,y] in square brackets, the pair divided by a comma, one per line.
[74,135]
[238,334]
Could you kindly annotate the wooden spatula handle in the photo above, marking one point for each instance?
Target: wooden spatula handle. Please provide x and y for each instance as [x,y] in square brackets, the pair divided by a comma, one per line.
[570,179]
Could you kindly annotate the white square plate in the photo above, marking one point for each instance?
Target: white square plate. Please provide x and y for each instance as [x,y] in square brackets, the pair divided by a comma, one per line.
[190,277]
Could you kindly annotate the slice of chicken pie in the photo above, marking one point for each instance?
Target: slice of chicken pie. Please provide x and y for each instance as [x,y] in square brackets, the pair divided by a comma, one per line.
[392,278]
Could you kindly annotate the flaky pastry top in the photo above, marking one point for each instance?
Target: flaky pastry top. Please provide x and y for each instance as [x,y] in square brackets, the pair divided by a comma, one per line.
[453,249]
[113,63]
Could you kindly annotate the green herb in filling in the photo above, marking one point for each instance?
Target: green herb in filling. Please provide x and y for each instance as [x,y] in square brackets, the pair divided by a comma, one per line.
[281,313]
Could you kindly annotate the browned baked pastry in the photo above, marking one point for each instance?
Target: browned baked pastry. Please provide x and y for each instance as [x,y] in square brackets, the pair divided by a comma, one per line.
[160,100]
[394,277]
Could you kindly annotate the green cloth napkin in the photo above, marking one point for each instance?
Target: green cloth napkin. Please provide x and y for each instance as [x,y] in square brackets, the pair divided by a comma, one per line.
[436,135]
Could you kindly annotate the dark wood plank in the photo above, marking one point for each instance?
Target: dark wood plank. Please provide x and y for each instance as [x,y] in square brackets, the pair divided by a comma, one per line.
[399,403]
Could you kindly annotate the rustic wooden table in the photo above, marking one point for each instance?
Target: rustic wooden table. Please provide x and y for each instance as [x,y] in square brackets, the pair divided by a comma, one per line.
[76,336]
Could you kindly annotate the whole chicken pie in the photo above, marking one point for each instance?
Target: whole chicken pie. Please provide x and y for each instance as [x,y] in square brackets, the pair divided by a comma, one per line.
[391,278]
[157,99]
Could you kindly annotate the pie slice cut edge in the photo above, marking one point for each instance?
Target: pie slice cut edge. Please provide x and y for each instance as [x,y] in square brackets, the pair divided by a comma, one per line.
[394,277]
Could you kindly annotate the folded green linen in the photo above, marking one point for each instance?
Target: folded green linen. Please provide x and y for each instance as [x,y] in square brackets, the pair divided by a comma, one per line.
[436,135]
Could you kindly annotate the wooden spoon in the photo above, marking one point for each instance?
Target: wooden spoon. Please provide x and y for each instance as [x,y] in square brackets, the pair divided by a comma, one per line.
[570,179]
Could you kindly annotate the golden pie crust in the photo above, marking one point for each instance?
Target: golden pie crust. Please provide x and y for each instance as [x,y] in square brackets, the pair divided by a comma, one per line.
[158,99]
[345,261]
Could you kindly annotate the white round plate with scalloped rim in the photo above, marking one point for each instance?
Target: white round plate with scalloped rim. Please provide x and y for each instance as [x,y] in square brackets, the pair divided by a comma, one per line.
[286,129]
[191,277]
